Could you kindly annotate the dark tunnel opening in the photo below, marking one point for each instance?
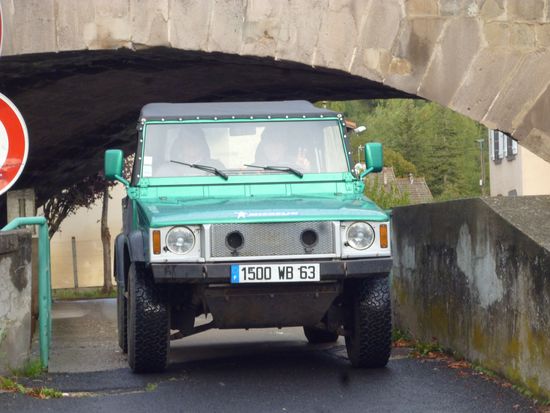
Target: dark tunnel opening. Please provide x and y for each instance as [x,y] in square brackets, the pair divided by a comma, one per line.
[77,104]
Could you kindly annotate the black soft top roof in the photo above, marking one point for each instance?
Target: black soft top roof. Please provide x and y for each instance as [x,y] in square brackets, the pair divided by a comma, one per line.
[291,108]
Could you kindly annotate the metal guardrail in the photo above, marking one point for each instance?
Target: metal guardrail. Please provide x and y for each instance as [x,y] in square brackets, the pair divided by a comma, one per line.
[44,282]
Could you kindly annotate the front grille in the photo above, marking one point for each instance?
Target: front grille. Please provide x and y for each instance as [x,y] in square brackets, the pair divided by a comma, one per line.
[272,239]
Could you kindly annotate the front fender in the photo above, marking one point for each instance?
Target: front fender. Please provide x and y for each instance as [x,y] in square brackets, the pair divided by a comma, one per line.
[128,248]
[136,246]
[120,265]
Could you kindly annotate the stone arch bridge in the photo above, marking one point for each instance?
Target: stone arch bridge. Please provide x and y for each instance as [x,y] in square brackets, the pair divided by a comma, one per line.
[80,70]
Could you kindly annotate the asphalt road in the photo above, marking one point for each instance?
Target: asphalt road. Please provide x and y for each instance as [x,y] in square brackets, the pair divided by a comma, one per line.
[247,371]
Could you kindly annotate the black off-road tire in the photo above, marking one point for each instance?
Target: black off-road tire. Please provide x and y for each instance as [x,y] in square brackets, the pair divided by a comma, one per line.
[318,336]
[369,344]
[122,319]
[148,323]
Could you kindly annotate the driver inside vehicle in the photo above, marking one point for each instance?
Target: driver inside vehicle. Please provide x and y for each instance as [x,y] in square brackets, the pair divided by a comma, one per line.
[276,150]
[189,147]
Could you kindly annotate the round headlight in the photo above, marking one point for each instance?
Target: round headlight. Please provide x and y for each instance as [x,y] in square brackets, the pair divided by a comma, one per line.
[360,235]
[180,240]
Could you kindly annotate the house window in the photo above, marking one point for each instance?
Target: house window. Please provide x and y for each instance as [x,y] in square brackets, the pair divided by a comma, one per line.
[495,145]
[511,148]
[502,146]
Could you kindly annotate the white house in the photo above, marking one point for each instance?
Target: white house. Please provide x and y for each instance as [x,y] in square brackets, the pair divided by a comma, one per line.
[515,170]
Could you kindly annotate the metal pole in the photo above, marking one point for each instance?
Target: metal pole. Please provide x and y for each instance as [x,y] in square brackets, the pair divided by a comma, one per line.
[482,169]
[44,294]
[75,267]
[482,166]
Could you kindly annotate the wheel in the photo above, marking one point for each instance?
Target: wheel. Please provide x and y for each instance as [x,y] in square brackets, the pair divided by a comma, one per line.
[148,323]
[369,344]
[122,319]
[317,336]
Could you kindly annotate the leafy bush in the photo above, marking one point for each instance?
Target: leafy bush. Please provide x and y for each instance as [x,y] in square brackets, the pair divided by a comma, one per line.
[384,198]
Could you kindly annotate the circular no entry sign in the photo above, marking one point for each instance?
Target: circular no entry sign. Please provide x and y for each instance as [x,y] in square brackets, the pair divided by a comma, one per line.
[14,144]
[1,29]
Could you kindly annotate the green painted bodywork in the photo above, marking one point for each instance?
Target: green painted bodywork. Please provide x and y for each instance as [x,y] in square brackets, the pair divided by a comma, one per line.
[262,198]
[252,198]
[321,207]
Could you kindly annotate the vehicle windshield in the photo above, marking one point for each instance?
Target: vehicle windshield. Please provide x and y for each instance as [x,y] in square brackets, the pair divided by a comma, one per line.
[243,148]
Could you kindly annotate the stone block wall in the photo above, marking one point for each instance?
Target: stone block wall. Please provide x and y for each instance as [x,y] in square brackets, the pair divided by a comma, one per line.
[475,274]
[15,298]
[486,59]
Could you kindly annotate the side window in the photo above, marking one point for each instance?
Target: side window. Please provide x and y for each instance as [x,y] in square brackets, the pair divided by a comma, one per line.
[511,148]
[501,146]
[494,147]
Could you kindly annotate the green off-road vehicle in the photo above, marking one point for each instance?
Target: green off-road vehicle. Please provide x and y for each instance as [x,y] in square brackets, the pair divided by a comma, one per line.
[252,214]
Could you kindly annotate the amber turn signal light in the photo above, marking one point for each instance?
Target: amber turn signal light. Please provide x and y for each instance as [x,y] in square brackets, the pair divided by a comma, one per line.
[383,236]
[156,242]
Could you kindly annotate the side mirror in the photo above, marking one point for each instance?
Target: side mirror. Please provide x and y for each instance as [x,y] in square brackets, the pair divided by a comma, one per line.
[114,159]
[374,156]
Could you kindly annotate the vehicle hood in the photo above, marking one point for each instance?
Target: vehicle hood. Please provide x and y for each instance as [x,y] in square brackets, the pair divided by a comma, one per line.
[176,211]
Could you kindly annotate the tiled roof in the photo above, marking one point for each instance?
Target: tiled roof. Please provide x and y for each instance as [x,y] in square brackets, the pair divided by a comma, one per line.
[416,187]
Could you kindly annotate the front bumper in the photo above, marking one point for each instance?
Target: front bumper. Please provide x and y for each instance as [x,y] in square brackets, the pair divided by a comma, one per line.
[210,273]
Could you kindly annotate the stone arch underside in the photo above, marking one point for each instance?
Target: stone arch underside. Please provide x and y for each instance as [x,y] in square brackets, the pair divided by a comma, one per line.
[80,73]
[77,104]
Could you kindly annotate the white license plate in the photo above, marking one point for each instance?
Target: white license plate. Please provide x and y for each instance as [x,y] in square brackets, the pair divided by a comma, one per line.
[273,273]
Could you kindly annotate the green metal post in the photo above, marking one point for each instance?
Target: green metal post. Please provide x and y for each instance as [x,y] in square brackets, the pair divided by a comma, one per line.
[44,282]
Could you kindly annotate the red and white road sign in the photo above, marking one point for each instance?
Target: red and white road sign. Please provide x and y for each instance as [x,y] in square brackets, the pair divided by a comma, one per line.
[1,28]
[14,144]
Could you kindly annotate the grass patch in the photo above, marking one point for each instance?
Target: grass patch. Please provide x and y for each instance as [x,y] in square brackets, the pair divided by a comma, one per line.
[418,348]
[454,360]
[485,372]
[504,382]
[31,369]
[401,338]
[8,384]
[46,393]
[398,334]
[82,293]
[151,386]
[11,385]
[426,349]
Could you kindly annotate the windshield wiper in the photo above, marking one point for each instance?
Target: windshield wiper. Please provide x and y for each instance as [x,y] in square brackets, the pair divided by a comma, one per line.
[206,168]
[278,168]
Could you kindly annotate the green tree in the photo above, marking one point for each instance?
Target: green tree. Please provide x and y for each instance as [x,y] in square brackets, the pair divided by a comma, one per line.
[68,200]
[396,124]
[452,169]
[439,143]
[442,168]
[400,165]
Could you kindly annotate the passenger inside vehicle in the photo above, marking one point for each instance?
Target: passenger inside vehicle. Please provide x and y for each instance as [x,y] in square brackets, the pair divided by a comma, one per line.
[188,148]
[276,149]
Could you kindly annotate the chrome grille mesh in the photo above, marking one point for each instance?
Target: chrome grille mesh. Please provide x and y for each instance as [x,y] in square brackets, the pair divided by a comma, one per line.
[272,239]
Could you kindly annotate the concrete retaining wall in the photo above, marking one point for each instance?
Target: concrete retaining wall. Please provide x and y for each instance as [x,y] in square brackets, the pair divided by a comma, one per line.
[475,274]
[15,298]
